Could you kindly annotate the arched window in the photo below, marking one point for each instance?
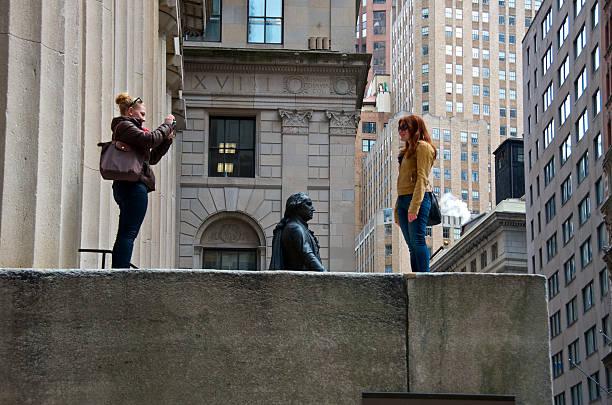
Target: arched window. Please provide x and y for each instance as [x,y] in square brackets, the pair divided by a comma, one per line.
[230,241]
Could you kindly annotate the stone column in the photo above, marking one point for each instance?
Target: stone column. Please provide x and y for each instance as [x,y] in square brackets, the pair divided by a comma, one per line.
[294,132]
[342,132]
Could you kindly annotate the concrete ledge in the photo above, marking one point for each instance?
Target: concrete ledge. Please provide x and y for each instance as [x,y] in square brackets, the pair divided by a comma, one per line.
[171,336]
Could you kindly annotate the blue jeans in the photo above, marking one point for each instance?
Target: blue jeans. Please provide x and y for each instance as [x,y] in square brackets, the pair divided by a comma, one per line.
[414,232]
[132,199]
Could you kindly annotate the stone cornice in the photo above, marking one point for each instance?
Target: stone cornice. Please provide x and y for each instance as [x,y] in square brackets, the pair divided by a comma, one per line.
[231,60]
[473,241]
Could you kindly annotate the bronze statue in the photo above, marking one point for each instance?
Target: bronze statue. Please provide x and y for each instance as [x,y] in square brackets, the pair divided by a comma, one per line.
[294,246]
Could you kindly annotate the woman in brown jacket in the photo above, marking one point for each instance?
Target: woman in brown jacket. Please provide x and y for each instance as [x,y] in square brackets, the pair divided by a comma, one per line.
[131,196]
[413,202]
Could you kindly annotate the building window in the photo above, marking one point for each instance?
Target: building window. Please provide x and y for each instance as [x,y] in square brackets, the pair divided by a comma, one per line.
[590,341]
[447,174]
[582,167]
[425,68]
[566,149]
[569,268]
[547,23]
[367,144]
[265,21]
[446,232]
[475,157]
[586,253]
[580,43]
[599,191]
[576,392]
[596,102]
[494,252]
[388,250]
[564,71]
[559,399]
[425,32]
[230,259]
[380,22]
[587,297]
[563,32]
[603,283]
[557,364]
[231,147]
[571,311]
[549,133]
[457,233]
[568,229]
[584,210]
[473,266]
[368,127]
[551,209]
[475,177]
[549,171]
[581,83]
[464,195]
[551,247]
[601,236]
[464,156]
[595,57]
[565,109]
[566,189]
[388,269]
[213,26]
[553,285]
[593,384]
[573,350]
[555,324]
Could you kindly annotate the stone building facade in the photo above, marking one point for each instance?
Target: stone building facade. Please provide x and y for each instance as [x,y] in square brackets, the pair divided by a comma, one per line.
[495,243]
[63,62]
[373,32]
[565,189]
[266,120]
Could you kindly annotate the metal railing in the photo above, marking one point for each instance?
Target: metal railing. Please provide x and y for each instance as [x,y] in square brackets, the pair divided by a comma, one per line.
[104,252]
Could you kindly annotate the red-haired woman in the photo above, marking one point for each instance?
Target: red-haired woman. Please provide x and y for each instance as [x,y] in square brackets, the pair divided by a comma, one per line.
[413,202]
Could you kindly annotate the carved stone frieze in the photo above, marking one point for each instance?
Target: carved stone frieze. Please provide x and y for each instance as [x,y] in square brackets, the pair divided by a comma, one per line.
[343,122]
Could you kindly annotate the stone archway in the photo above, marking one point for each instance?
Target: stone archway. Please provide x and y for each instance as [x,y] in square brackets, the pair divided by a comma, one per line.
[230,241]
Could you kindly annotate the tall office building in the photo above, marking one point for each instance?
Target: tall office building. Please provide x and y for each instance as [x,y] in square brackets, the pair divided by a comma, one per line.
[460,61]
[565,189]
[372,33]
[606,40]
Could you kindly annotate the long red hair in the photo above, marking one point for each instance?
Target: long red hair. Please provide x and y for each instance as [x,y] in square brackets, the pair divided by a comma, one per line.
[417,131]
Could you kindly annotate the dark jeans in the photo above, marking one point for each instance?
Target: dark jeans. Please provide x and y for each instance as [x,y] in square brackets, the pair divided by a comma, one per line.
[414,232]
[132,199]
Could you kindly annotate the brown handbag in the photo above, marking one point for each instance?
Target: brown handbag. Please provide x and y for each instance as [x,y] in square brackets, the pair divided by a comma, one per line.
[119,161]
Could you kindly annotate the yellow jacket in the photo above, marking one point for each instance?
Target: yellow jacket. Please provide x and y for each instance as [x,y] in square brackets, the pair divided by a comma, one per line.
[414,174]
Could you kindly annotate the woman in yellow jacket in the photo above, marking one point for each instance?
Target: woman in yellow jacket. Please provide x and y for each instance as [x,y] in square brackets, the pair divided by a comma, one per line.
[413,202]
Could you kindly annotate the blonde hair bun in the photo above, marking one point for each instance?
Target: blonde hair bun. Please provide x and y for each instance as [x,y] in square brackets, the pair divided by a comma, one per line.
[123,98]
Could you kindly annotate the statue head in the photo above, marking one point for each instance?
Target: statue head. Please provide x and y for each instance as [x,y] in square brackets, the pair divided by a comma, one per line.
[299,205]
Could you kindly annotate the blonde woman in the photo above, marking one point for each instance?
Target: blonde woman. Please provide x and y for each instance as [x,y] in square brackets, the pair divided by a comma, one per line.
[131,196]
[413,202]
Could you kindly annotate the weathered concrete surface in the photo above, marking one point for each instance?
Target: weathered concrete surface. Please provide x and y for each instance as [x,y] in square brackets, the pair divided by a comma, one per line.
[199,337]
[479,333]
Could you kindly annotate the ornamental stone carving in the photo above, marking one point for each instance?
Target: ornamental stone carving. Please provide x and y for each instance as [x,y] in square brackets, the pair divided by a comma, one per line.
[295,121]
[343,86]
[343,122]
[230,231]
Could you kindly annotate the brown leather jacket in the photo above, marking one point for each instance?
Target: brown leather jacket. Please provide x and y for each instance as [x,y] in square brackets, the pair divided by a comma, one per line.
[150,146]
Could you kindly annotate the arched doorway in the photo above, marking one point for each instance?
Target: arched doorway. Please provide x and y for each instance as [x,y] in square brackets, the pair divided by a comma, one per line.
[230,241]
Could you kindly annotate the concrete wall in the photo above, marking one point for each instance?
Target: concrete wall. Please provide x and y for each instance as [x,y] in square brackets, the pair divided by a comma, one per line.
[250,337]
[63,63]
